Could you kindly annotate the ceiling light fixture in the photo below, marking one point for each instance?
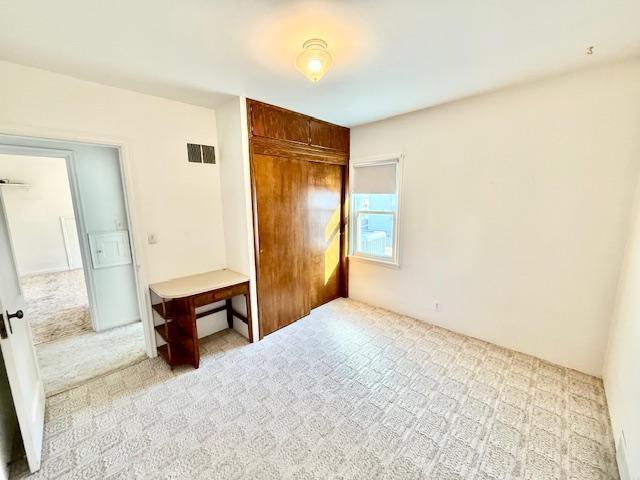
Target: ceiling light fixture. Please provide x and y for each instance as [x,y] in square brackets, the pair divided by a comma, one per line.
[314,60]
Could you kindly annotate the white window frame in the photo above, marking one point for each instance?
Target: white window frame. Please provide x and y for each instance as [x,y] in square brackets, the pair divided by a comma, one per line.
[397,160]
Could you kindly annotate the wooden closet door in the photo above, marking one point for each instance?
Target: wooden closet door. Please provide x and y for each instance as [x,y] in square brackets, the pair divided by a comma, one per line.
[280,189]
[324,193]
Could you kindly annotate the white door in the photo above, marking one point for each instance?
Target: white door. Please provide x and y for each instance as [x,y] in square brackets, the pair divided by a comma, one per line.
[71,242]
[19,354]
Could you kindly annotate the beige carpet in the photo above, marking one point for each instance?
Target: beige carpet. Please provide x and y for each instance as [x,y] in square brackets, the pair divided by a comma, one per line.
[348,392]
[72,361]
[56,305]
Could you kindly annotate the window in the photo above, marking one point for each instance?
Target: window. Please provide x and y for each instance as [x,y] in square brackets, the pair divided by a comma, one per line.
[375,189]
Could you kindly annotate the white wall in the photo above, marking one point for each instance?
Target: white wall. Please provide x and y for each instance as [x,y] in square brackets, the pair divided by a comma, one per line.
[34,212]
[178,201]
[232,186]
[236,199]
[515,212]
[622,364]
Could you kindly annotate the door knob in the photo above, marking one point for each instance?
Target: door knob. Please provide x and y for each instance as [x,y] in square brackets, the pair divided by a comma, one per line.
[18,314]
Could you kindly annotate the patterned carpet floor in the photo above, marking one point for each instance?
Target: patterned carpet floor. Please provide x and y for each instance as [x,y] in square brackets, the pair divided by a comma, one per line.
[350,392]
[71,361]
[56,305]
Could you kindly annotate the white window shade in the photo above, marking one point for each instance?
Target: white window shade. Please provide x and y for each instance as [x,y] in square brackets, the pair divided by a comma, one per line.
[379,178]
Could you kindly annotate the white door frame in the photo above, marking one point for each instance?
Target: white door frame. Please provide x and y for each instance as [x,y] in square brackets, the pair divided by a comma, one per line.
[144,302]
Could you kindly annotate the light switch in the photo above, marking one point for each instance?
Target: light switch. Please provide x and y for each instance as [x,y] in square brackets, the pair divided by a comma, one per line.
[152,238]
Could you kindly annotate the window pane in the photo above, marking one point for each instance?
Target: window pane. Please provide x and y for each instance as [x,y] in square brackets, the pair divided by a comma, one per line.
[375,234]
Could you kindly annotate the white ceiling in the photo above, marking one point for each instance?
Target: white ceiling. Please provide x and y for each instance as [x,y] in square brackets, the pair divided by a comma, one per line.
[390,56]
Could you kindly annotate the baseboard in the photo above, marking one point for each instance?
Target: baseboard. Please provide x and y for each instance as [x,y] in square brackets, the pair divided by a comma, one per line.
[124,324]
[45,271]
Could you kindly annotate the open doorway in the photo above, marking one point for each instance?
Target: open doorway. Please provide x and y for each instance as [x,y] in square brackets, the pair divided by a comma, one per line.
[67,224]
[39,210]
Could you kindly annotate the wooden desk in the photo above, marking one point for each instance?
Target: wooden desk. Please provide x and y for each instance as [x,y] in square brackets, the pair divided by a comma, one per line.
[179,299]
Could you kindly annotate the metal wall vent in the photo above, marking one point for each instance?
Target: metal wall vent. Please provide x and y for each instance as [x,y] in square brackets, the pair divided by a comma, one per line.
[201,153]
[195,153]
[208,154]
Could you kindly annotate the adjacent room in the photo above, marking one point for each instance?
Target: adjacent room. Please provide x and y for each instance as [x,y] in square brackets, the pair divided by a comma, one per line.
[72,344]
[320,240]
[39,210]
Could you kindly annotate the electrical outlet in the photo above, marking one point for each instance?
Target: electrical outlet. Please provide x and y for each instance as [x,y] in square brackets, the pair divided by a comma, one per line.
[152,238]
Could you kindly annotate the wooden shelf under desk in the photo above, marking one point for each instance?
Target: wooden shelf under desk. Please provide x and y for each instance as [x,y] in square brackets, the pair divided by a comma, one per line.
[167,310]
[173,334]
[179,299]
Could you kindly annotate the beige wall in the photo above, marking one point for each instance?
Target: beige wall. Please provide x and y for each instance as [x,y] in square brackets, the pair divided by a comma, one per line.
[515,212]
[178,201]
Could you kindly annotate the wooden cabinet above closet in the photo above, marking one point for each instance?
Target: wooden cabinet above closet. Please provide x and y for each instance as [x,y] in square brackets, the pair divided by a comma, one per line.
[327,135]
[275,123]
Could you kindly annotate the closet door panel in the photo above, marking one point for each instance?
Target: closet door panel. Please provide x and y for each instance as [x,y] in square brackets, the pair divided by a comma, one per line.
[280,187]
[324,196]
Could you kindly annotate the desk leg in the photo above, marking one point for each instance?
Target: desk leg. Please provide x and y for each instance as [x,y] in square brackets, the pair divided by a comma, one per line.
[229,312]
[247,299]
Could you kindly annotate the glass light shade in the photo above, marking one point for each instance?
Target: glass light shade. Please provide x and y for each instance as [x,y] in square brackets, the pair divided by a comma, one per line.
[315,60]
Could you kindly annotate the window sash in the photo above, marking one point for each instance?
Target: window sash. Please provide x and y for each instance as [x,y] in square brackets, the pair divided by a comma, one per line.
[394,159]
[357,240]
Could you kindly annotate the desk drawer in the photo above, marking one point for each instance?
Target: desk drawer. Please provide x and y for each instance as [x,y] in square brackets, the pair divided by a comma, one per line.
[221,294]
[229,292]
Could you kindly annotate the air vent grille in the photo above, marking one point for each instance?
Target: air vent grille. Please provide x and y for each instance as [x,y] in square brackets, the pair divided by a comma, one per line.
[194,153]
[201,153]
[208,154]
